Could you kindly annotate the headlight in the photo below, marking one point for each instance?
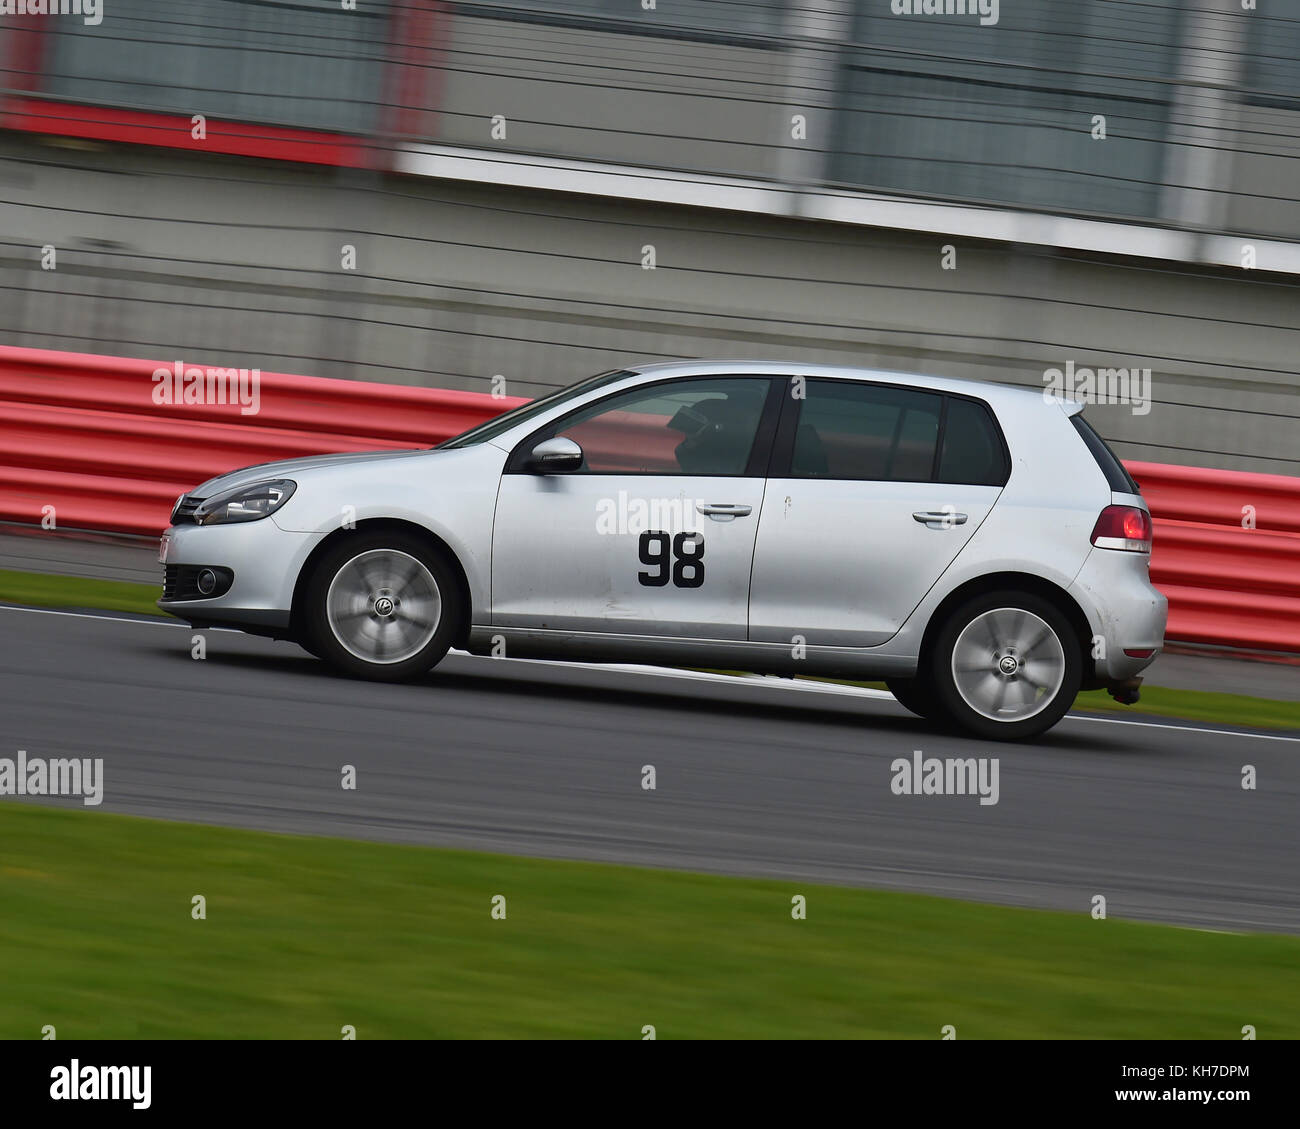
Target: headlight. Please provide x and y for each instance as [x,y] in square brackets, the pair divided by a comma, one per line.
[245,503]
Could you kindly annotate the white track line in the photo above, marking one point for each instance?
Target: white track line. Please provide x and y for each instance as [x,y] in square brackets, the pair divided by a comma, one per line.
[1180,728]
[96,615]
[673,672]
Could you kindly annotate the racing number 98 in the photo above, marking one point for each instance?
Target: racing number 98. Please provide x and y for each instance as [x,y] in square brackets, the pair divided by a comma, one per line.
[680,559]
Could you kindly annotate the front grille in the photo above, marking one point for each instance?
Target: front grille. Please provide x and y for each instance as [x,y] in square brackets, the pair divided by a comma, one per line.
[186,507]
[181,582]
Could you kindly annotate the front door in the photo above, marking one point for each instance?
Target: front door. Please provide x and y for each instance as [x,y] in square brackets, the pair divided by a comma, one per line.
[654,534]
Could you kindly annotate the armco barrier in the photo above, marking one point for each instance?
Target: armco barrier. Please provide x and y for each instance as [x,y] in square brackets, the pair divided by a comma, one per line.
[84,434]
[1227,554]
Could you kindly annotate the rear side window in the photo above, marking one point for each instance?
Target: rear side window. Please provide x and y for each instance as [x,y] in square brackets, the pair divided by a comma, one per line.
[865,431]
[972,453]
[1119,479]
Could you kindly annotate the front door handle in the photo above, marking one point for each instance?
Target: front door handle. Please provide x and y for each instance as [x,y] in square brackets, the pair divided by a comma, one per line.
[944,518]
[718,509]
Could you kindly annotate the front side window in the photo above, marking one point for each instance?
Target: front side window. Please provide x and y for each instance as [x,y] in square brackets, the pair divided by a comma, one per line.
[703,427]
[866,431]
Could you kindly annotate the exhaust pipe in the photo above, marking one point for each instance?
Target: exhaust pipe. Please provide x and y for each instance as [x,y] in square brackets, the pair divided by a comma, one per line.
[1127,692]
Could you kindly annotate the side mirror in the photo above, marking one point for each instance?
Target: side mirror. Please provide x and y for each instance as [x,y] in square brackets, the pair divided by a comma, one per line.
[556,454]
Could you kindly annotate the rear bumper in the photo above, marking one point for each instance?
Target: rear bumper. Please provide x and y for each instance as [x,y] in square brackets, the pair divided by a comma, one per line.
[1125,610]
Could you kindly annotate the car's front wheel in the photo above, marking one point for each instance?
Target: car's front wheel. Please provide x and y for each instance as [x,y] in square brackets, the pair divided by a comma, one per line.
[1006,665]
[381,606]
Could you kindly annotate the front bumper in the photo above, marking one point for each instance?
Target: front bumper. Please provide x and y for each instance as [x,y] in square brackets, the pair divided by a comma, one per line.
[265,560]
[1125,610]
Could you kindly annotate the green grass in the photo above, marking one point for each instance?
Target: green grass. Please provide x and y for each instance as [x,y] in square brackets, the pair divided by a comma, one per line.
[1200,705]
[304,935]
[40,590]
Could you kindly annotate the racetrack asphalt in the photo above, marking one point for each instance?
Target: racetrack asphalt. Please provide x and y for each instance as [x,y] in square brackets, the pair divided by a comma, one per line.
[753,777]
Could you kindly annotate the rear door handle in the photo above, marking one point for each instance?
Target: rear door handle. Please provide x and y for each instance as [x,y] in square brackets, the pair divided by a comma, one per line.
[945,518]
[718,509]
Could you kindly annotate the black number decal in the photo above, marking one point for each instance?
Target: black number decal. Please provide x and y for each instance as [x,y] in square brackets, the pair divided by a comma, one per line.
[692,561]
[685,571]
[654,556]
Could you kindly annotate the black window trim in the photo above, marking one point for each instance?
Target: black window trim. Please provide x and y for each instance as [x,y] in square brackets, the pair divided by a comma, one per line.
[1127,484]
[783,448]
[759,453]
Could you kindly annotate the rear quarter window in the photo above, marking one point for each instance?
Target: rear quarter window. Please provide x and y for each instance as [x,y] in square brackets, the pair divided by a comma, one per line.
[1119,479]
[972,453]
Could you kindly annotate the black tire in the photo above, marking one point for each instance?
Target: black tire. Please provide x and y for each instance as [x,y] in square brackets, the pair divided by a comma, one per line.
[357,629]
[997,620]
[917,695]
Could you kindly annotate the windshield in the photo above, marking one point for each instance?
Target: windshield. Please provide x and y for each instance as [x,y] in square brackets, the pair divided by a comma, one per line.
[490,429]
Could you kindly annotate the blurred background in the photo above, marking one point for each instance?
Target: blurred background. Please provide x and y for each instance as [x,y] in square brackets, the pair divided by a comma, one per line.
[1112,184]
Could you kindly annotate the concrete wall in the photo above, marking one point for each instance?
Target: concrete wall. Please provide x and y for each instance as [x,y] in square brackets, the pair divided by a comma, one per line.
[174,256]
[631,99]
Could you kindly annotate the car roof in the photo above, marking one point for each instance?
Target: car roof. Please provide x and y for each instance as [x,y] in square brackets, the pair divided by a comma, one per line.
[1009,395]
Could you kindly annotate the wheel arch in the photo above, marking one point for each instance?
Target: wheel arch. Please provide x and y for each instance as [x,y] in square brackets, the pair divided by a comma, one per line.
[1027,582]
[385,525]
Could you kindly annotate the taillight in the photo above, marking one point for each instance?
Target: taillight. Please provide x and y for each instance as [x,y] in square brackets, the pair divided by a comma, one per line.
[1123,527]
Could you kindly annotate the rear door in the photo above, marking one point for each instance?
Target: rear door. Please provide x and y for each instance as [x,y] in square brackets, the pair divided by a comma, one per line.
[874,490]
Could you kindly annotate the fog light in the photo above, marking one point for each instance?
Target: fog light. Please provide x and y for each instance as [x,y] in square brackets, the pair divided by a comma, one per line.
[206,582]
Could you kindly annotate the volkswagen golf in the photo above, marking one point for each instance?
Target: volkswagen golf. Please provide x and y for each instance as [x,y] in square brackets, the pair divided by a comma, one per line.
[977,547]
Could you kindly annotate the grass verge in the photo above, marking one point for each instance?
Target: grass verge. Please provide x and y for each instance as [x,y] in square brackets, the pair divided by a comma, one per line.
[1199,705]
[304,935]
[39,590]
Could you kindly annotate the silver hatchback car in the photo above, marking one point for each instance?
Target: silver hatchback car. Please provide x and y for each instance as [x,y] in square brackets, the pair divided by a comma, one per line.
[977,547]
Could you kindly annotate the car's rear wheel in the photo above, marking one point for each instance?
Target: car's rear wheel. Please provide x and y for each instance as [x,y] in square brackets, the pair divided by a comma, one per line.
[917,695]
[1006,665]
[381,606]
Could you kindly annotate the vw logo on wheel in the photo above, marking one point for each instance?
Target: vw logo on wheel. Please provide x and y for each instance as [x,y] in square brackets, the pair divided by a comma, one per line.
[383,606]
